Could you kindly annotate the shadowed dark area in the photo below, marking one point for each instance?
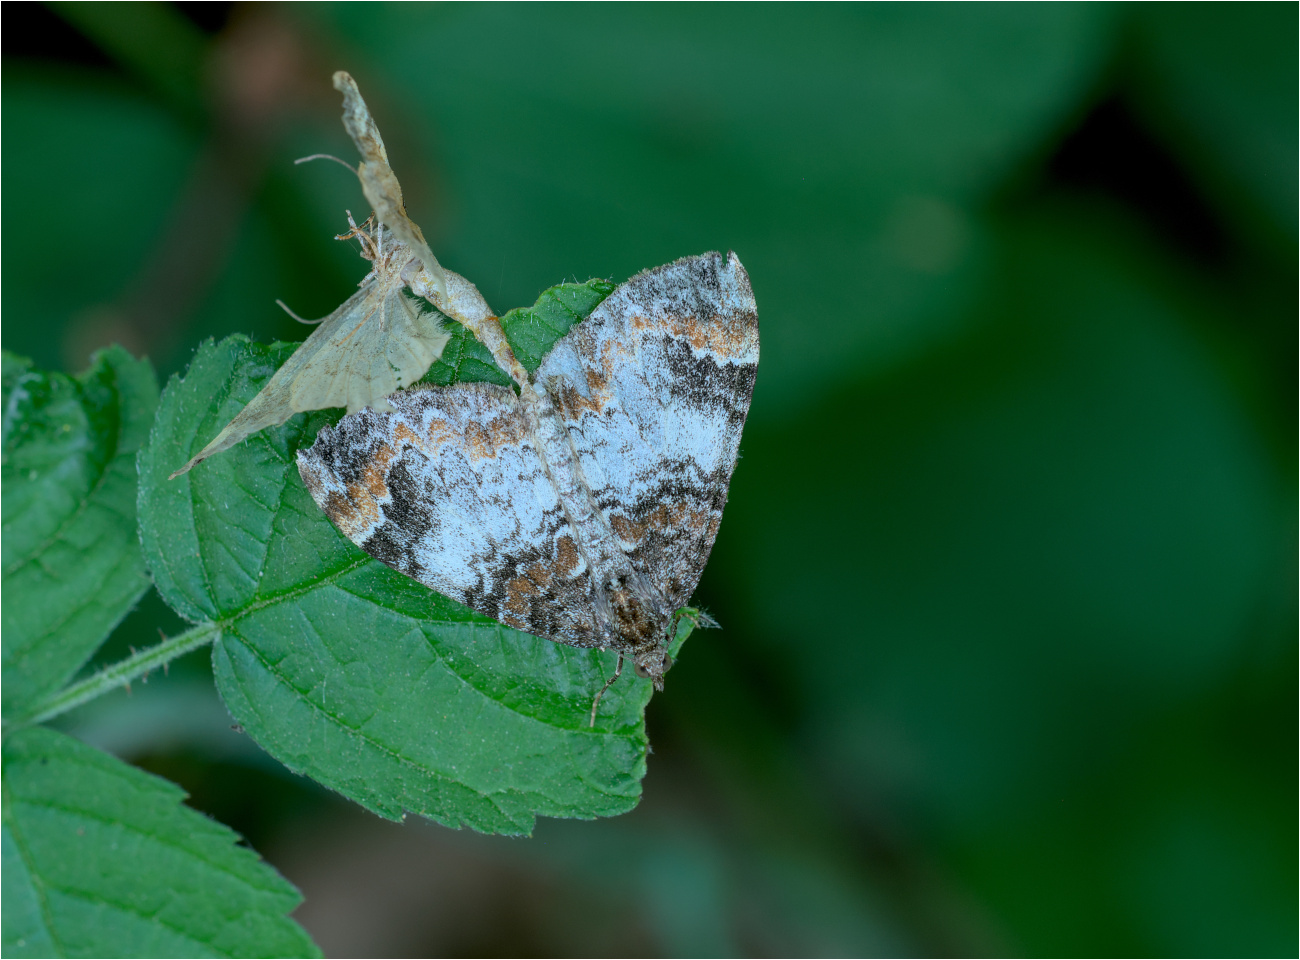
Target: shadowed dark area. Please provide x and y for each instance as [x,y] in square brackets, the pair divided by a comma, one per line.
[1110,154]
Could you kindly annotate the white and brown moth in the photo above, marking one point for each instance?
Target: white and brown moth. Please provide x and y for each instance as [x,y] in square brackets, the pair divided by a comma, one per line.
[583,508]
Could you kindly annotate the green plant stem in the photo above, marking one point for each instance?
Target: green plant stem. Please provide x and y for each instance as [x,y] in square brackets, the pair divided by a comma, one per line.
[120,673]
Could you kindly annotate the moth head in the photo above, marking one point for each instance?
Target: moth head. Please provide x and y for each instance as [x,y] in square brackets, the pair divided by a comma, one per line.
[652,666]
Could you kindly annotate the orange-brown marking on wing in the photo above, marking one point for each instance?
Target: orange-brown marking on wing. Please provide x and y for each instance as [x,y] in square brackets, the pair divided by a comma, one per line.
[518,592]
[359,511]
[438,433]
[512,620]
[705,333]
[573,402]
[597,390]
[666,516]
[338,509]
[539,574]
[405,434]
[625,529]
[482,441]
[634,622]
[566,557]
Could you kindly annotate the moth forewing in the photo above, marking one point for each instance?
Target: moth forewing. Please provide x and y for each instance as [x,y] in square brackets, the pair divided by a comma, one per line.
[411,355]
[382,344]
[583,508]
[284,394]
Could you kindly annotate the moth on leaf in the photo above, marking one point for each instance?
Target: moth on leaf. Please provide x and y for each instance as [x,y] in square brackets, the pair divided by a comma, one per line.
[583,507]
[380,340]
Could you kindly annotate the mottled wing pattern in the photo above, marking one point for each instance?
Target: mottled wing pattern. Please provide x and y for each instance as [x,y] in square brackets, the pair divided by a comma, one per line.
[654,388]
[449,490]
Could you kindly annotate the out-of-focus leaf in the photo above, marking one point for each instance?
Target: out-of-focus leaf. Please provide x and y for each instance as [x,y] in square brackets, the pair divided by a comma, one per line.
[155,41]
[71,554]
[102,859]
[350,672]
[67,136]
[1052,535]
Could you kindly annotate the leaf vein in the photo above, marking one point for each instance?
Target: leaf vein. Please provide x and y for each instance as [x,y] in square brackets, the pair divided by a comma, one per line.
[38,882]
[368,740]
[132,828]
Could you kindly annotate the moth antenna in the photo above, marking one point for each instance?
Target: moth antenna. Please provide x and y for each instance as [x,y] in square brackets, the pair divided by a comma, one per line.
[618,672]
[327,156]
[285,307]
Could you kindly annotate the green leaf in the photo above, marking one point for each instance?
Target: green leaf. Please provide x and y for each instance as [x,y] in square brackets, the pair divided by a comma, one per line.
[530,330]
[102,859]
[71,556]
[156,42]
[354,674]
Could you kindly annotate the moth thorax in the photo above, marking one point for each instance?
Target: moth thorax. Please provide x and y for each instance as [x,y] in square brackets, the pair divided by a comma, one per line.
[636,622]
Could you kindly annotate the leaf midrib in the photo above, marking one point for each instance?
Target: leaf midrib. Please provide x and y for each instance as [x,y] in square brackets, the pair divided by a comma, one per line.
[330,579]
[139,831]
[487,695]
[381,748]
[38,882]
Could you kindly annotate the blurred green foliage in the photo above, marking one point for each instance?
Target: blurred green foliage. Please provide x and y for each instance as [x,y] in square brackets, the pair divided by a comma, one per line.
[1007,578]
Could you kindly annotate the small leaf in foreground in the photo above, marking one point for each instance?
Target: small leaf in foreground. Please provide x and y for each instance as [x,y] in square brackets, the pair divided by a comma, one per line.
[530,330]
[102,859]
[350,672]
[71,555]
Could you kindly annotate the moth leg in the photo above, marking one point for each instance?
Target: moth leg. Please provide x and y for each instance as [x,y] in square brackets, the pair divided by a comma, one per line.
[368,249]
[362,234]
[351,233]
[618,672]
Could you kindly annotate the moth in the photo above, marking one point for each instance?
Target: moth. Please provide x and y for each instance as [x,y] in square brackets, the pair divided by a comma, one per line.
[379,340]
[583,507]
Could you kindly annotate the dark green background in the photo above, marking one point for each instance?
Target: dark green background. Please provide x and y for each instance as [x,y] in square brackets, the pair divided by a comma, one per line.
[1007,578]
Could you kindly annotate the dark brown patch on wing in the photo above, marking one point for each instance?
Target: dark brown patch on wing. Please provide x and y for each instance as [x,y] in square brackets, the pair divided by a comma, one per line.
[543,590]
